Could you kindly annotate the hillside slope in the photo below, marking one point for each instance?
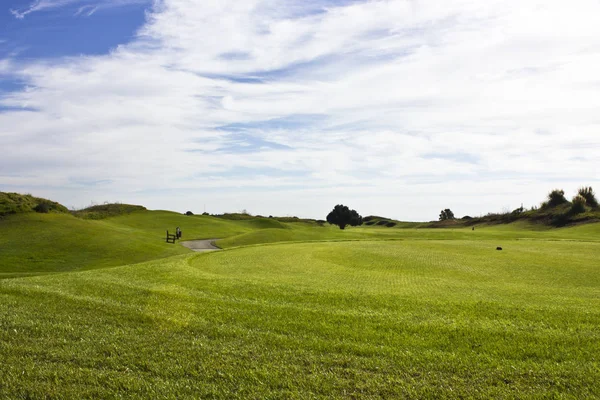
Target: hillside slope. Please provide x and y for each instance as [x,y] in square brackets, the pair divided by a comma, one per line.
[15,203]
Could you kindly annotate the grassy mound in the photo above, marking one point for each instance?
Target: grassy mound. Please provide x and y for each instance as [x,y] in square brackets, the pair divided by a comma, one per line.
[384,319]
[43,243]
[15,203]
[107,210]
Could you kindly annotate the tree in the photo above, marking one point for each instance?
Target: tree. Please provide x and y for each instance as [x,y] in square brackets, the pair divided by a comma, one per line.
[446,214]
[342,216]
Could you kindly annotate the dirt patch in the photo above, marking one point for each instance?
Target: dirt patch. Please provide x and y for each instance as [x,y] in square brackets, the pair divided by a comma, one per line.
[201,245]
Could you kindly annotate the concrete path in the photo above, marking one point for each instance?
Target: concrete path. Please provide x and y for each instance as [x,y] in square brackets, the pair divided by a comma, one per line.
[201,245]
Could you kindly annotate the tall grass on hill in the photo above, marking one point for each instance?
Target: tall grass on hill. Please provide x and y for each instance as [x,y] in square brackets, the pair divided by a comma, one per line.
[15,203]
[102,211]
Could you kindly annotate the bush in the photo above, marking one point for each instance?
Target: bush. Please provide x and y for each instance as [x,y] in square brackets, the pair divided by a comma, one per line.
[43,208]
[578,205]
[588,194]
[205,213]
[382,222]
[518,211]
[390,224]
[189,213]
[556,198]
[370,223]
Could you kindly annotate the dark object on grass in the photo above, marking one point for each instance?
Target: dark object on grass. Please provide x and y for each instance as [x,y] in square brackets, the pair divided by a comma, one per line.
[189,213]
[171,237]
[178,233]
[473,228]
[390,224]
[498,248]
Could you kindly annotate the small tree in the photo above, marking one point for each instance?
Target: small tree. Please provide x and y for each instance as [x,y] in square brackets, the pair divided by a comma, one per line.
[556,198]
[342,216]
[446,214]
[588,194]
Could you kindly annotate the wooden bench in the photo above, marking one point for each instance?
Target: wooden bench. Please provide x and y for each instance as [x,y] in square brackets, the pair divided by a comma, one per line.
[171,237]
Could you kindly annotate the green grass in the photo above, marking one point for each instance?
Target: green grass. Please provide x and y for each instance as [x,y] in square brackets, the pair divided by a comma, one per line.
[369,319]
[296,310]
[33,243]
[45,243]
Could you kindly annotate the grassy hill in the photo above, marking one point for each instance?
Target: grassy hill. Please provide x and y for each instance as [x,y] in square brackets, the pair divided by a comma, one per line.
[15,203]
[102,211]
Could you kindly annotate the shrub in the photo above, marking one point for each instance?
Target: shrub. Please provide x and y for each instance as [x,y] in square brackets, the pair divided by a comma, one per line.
[556,198]
[390,224]
[466,217]
[578,205]
[588,194]
[42,208]
[189,213]
[518,211]
[382,222]
[370,223]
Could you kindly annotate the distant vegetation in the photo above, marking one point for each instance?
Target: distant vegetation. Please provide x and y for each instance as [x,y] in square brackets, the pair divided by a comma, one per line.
[247,216]
[446,214]
[102,211]
[15,203]
[342,216]
[555,211]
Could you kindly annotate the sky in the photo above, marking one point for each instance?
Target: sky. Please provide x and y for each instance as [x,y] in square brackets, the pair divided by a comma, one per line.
[396,108]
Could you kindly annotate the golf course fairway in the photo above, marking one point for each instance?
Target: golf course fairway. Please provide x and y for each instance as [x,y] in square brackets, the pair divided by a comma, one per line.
[390,313]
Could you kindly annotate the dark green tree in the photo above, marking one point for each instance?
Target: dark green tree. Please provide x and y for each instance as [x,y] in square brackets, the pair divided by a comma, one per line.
[446,214]
[342,216]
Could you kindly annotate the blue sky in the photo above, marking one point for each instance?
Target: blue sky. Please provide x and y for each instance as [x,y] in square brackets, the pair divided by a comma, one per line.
[394,107]
[67,30]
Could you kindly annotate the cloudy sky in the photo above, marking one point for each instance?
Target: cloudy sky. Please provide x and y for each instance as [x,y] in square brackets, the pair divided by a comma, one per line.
[287,107]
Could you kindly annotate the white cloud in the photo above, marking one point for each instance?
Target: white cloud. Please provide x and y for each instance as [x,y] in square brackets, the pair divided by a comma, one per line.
[422,105]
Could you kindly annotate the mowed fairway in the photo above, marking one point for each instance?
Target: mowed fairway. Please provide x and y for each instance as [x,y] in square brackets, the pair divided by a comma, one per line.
[349,319]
